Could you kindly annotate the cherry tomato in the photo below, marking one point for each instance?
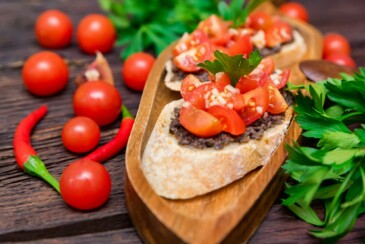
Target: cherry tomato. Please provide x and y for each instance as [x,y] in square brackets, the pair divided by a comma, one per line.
[188,60]
[242,45]
[95,32]
[80,134]
[259,20]
[199,122]
[335,43]
[85,184]
[277,103]
[341,59]
[216,30]
[97,100]
[136,69]
[229,118]
[279,33]
[294,10]
[188,41]
[256,103]
[45,73]
[53,29]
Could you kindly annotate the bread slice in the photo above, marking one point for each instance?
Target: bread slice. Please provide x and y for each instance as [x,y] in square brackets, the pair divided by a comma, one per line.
[182,172]
[290,53]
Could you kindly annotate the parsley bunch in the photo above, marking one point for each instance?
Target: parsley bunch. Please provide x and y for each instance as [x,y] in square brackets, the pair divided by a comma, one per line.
[332,171]
[155,24]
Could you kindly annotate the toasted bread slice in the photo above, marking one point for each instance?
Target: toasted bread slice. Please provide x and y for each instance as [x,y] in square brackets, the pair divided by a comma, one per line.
[182,172]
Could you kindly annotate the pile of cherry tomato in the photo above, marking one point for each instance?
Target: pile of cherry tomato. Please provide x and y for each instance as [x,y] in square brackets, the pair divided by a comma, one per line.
[85,184]
[336,47]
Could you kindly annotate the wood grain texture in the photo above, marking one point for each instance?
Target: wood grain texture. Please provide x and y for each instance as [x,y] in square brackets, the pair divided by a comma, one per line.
[30,211]
[213,217]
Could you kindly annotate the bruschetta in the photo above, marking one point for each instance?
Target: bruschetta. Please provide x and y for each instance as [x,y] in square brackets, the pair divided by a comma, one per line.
[271,35]
[220,130]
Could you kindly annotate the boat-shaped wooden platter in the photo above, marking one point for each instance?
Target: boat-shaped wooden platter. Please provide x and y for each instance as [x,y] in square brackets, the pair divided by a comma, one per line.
[231,213]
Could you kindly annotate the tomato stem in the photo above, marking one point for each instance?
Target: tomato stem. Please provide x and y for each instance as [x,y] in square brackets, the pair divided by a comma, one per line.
[35,167]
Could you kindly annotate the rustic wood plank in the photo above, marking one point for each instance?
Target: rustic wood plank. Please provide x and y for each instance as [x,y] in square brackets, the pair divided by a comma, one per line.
[27,204]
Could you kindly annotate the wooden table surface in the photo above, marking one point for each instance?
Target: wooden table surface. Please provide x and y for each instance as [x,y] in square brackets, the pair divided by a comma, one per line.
[32,211]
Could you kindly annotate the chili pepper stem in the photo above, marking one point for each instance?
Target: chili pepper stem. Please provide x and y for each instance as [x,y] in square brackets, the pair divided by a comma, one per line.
[35,167]
[125,112]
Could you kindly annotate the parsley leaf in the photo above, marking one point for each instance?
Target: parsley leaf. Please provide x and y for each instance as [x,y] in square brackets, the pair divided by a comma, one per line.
[332,167]
[235,66]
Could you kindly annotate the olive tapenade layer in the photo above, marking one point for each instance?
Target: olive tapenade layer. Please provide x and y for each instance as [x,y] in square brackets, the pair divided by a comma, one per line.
[253,131]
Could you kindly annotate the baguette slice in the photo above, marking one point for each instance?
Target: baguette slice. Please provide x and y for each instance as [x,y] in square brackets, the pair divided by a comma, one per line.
[290,53]
[182,172]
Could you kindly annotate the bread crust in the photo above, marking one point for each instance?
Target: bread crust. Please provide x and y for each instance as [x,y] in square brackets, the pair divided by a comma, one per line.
[182,172]
[290,53]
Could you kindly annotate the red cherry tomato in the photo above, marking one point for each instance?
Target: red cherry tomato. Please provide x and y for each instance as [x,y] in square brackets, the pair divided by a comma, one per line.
[341,59]
[294,10]
[85,184]
[95,32]
[199,122]
[97,100]
[80,134]
[188,41]
[277,103]
[53,29]
[229,118]
[45,73]
[335,43]
[279,33]
[136,69]
[256,103]
[188,60]
[259,20]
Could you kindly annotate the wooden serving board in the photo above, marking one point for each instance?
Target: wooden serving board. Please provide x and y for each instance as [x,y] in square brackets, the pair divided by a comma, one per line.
[229,214]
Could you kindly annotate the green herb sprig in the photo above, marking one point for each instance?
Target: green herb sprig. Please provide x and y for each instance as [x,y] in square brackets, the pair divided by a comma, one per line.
[332,171]
[235,66]
[154,25]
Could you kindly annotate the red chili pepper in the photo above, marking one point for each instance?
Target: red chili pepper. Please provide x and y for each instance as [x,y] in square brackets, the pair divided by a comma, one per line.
[108,150]
[25,155]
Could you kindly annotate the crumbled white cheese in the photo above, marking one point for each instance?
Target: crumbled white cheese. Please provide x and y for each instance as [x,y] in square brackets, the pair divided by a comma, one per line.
[92,75]
[259,39]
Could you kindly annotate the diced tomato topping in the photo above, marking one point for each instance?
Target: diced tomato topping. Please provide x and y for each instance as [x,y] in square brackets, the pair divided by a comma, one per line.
[222,78]
[259,20]
[282,79]
[231,121]
[242,45]
[188,60]
[196,38]
[216,30]
[246,84]
[256,103]
[199,122]
[277,103]
[280,32]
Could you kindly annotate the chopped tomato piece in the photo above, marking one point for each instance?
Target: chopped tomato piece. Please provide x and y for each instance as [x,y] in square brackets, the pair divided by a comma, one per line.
[196,93]
[281,79]
[231,121]
[279,33]
[267,65]
[255,104]
[222,78]
[188,60]
[277,103]
[259,20]
[199,122]
[216,29]
[196,38]
[242,45]
[246,84]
